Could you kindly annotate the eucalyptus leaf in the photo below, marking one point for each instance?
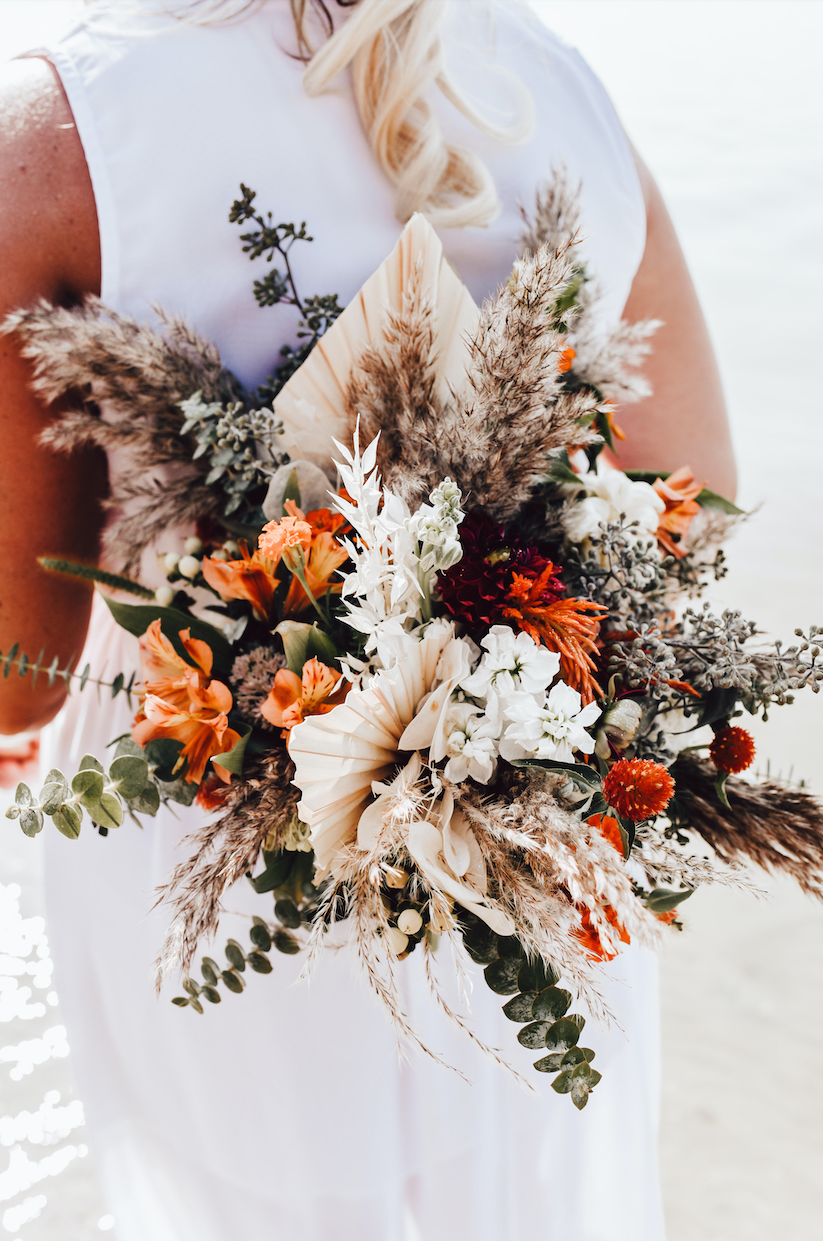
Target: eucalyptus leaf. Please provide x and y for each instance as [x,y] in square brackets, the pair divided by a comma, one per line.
[67,820]
[551,1004]
[235,955]
[535,976]
[108,812]
[287,913]
[210,971]
[88,786]
[286,943]
[126,746]
[580,1092]
[549,1064]
[180,791]
[148,801]
[23,795]
[52,795]
[31,821]
[130,774]
[563,1035]
[520,1007]
[89,763]
[211,994]
[533,1036]
[501,975]
[260,936]
[278,867]
[259,963]
[163,754]
[233,981]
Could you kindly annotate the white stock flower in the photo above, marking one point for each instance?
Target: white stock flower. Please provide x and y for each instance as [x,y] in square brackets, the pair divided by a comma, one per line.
[548,728]
[609,493]
[471,744]
[434,526]
[513,661]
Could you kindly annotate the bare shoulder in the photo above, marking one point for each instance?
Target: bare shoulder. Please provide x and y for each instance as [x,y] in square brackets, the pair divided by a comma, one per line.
[49,243]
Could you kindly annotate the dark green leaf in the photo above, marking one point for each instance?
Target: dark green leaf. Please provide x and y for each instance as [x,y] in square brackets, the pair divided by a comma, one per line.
[287,912]
[533,1036]
[563,1083]
[260,937]
[577,1055]
[67,820]
[585,777]
[563,1035]
[535,976]
[196,1005]
[211,994]
[210,970]
[284,942]
[181,1001]
[510,946]
[549,1064]
[163,754]
[501,975]
[235,955]
[551,1004]
[481,943]
[191,986]
[661,901]
[278,867]
[720,788]
[55,791]
[233,981]
[520,1008]
[580,1092]
[710,499]
[232,760]
[259,963]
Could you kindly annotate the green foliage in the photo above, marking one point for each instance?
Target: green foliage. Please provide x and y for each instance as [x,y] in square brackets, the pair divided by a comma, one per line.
[538,1005]
[263,938]
[91,573]
[13,658]
[136,619]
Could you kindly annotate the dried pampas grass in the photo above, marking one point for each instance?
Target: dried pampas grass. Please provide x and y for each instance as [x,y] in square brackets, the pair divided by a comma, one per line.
[130,379]
[223,850]
[778,827]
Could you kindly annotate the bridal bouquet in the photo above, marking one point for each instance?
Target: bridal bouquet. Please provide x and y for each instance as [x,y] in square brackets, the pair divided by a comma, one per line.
[431,661]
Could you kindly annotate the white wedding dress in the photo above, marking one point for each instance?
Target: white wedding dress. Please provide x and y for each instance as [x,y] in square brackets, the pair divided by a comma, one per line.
[285,1113]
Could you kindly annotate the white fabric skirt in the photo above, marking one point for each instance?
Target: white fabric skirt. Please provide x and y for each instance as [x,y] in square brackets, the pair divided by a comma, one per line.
[286,1113]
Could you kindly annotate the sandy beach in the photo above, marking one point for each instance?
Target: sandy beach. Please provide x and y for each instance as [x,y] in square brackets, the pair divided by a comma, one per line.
[724,100]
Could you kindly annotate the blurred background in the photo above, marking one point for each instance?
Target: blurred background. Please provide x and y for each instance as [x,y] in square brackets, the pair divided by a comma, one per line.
[724,99]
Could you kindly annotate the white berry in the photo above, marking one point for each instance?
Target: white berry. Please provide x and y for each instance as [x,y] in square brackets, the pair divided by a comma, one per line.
[397,941]
[164,596]
[410,922]
[170,562]
[193,546]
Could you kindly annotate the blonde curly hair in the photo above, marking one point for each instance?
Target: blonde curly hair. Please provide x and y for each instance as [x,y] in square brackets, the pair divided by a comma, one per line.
[394,52]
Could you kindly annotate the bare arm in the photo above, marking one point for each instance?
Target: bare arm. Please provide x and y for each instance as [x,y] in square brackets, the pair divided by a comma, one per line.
[684,421]
[49,247]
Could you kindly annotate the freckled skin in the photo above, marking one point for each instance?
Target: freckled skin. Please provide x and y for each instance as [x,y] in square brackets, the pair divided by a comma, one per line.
[50,505]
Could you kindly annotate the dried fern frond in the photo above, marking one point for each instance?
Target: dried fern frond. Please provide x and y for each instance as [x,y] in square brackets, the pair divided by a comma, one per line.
[223,850]
[778,827]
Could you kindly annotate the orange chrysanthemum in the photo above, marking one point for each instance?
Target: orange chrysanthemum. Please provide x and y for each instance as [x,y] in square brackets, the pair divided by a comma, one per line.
[678,492]
[567,626]
[732,750]
[638,788]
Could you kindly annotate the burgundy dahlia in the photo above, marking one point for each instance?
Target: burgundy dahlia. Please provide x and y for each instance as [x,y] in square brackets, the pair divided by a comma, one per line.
[477,589]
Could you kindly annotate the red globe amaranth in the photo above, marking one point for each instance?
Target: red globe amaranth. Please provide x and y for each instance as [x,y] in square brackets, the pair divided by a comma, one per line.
[732,750]
[638,788]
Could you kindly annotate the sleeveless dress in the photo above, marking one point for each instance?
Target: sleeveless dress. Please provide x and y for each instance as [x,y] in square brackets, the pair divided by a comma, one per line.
[286,1113]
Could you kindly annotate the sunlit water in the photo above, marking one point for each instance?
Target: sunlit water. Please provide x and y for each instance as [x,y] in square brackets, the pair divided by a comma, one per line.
[725,102]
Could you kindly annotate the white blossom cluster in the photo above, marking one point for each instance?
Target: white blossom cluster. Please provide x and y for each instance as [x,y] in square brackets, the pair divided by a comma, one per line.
[395,553]
[502,703]
[609,496]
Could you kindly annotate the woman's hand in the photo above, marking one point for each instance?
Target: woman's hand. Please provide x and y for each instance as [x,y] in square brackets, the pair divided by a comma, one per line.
[684,421]
[49,504]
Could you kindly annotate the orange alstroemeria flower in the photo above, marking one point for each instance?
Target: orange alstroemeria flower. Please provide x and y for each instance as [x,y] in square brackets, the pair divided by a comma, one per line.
[292,698]
[323,558]
[678,492]
[252,578]
[203,727]
[564,362]
[165,673]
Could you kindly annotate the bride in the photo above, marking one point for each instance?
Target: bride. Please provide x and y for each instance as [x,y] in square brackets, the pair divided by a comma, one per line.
[286,1113]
